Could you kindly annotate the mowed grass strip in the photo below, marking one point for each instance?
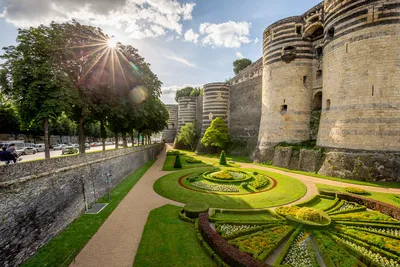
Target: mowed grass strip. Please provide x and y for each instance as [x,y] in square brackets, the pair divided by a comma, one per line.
[168,241]
[64,247]
[287,190]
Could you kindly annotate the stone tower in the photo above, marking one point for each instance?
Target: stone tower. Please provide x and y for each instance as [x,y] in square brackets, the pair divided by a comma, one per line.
[215,103]
[169,134]
[186,110]
[361,97]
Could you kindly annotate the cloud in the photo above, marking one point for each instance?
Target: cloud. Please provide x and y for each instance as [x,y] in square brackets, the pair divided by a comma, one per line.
[239,55]
[138,18]
[228,34]
[171,90]
[256,40]
[191,36]
[181,60]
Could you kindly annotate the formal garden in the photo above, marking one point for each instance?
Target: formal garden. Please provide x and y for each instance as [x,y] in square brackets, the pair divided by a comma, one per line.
[246,217]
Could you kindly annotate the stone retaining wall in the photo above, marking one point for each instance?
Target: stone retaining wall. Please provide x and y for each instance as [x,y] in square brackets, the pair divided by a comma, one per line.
[39,199]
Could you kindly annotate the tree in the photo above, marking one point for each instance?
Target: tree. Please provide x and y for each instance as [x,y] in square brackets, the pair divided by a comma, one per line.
[187,135]
[222,158]
[197,91]
[177,163]
[240,64]
[216,135]
[183,92]
[9,120]
[32,76]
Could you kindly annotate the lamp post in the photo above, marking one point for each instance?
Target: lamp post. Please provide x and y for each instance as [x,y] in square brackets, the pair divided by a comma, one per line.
[108,184]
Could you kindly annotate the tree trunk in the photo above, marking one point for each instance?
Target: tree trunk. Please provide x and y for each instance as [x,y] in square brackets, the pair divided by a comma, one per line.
[125,144]
[46,139]
[81,133]
[103,134]
[132,139]
[116,140]
[143,139]
[138,138]
[149,139]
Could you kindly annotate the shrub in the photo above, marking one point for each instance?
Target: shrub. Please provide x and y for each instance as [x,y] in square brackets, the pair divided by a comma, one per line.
[287,210]
[223,175]
[244,184]
[310,214]
[355,190]
[255,173]
[177,163]
[192,210]
[193,160]
[260,181]
[222,159]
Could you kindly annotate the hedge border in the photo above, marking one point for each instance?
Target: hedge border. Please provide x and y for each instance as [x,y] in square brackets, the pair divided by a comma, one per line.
[184,218]
[285,249]
[228,253]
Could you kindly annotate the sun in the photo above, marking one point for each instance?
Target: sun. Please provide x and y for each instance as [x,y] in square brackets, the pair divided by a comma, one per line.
[112,43]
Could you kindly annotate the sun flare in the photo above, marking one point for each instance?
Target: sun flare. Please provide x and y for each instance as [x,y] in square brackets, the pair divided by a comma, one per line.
[112,43]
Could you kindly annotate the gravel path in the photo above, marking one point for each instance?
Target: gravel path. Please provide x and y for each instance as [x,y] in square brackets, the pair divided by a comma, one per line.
[117,240]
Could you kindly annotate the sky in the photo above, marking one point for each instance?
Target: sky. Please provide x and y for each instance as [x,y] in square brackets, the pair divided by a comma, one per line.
[187,42]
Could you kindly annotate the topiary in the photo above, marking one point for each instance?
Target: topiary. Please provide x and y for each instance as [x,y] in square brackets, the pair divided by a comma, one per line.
[310,214]
[222,159]
[193,210]
[244,184]
[177,163]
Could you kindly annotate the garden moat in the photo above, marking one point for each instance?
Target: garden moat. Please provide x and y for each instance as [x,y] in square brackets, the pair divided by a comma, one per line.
[253,217]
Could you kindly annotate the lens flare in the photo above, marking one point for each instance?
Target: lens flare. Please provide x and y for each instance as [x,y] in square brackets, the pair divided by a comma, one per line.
[139,94]
[112,43]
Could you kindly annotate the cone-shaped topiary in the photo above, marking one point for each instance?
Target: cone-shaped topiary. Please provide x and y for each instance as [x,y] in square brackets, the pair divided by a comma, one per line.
[222,159]
[177,163]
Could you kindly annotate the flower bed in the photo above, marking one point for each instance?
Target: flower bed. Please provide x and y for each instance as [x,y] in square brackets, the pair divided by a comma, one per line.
[260,181]
[288,210]
[229,176]
[215,187]
[301,253]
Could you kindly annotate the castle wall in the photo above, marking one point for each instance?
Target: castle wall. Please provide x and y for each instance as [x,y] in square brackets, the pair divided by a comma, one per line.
[245,108]
[215,104]
[186,110]
[169,134]
[361,76]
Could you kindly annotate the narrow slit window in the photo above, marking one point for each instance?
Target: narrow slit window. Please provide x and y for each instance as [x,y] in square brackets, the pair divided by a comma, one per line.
[305,80]
[328,104]
[373,90]
[283,109]
[331,32]
[298,29]
[319,74]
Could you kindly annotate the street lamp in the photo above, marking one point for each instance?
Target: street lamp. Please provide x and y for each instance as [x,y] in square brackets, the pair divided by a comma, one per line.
[108,184]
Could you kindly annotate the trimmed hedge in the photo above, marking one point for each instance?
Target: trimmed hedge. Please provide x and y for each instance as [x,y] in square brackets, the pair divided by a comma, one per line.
[229,254]
[307,224]
[355,190]
[177,162]
[193,160]
[285,250]
[222,158]
[192,210]
[382,207]
[183,217]
[357,209]
[245,232]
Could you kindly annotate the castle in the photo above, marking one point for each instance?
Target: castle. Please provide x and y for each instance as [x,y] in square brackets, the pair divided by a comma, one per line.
[331,74]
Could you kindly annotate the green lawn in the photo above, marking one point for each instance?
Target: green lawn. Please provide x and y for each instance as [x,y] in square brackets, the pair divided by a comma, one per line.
[168,241]
[384,197]
[169,163]
[320,203]
[63,248]
[288,190]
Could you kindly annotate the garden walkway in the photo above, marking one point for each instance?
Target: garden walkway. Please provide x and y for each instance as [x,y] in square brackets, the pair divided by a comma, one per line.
[117,240]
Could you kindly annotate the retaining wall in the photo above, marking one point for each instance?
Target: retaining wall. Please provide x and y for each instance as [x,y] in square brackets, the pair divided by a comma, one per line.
[39,199]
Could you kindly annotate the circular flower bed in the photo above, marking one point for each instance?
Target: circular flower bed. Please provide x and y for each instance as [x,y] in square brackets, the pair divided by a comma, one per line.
[227,176]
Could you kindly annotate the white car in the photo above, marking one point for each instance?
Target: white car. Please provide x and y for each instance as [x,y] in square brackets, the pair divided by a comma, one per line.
[39,147]
[59,147]
[26,151]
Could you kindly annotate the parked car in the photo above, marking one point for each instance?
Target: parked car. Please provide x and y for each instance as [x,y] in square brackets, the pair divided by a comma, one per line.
[26,151]
[39,147]
[59,147]
[75,146]
[69,150]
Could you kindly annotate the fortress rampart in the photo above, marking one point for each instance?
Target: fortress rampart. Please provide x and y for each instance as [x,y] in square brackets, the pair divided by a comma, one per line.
[331,75]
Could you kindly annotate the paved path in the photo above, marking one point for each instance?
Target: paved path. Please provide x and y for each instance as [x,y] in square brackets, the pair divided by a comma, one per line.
[117,240]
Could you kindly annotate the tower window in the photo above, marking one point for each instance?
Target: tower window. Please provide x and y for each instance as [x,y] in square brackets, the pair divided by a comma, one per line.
[328,104]
[319,74]
[305,80]
[283,109]
[331,32]
[319,52]
[298,29]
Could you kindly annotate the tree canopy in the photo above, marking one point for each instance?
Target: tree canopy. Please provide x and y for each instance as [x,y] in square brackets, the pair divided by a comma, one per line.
[240,64]
[217,135]
[187,135]
[188,91]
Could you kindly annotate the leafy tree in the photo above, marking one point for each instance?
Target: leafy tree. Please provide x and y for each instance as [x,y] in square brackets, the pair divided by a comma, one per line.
[216,135]
[9,120]
[240,64]
[32,76]
[183,92]
[62,126]
[222,158]
[187,135]
[197,92]
[177,163]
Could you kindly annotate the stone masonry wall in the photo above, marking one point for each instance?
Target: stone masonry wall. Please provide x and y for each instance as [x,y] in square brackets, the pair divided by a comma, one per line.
[39,199]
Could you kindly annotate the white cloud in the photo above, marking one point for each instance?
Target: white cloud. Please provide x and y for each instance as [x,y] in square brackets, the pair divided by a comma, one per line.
[138,18]
[181,60]
[171,90]
[228,34]
[191,36]
[256,40]
[239,55]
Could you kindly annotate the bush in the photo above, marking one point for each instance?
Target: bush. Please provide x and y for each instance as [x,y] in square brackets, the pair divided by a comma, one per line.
[284,211]
[223,175]
[192,210]
[244,184]
[310,214]
[177,163]
[255,173]
[355,190]
[193,160]
[260,181]
[222,159]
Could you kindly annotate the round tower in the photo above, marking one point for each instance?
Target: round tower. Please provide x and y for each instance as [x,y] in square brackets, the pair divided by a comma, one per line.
[186,110]
[215,103]
[361,99]
[169,134]
[287,89]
